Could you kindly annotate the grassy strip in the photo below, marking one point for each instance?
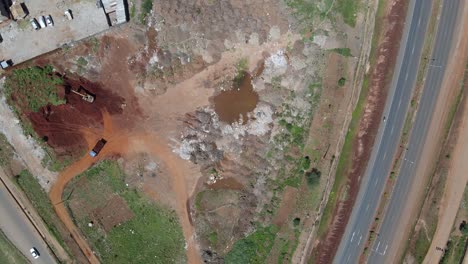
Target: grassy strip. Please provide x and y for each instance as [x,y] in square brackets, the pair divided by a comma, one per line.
[254,248]
[344,162]
[6,151]
[9,253]
[342,51]
[41,203]
[152,235]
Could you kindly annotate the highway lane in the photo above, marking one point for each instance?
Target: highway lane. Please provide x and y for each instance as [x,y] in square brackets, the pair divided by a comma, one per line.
[418,135]
[389,134]
[18,229]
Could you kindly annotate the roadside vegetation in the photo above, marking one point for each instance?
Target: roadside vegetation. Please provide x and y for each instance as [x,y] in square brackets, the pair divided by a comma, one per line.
[40,200]
[6,151]
[9,253]
[455,249]
[143,233]
[345,159]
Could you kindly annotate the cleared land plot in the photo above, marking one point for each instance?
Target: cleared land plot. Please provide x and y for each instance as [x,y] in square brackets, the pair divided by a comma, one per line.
[120,224]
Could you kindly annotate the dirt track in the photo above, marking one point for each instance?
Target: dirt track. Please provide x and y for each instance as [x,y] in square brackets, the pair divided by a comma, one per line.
[124,144]
[457,177]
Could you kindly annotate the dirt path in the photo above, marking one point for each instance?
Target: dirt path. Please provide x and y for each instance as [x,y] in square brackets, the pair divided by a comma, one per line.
[457,177]
[127,143]
[451,84]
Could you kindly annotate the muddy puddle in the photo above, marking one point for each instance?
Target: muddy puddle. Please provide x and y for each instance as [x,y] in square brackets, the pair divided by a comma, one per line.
[240,100]
[226,183]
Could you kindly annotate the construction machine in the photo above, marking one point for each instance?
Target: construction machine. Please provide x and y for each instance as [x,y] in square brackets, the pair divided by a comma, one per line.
[85,96]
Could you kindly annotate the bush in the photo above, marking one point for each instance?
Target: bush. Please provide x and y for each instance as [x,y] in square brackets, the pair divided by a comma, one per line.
[313,176]
[342,81]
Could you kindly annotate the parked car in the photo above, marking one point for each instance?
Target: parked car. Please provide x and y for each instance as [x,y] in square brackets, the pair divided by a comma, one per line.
[42,22]
[68,14]
[50,22]
[34,24]
[5,64]
[35,254]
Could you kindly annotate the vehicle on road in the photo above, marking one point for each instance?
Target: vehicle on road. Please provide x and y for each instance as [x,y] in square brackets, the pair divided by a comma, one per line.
[98,147]
[50,22]
[34,253]
[34,24]
[42,22]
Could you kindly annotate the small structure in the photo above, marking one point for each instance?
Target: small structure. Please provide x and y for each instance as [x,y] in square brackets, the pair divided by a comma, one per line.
[115,11]
[18,10]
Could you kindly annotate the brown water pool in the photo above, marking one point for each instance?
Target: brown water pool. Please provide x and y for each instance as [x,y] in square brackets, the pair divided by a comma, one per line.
[240,100]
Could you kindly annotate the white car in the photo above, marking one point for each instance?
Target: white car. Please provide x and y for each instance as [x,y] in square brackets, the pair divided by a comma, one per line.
[68,14]
[50,22]
[34,253]
[42,22]
[34,24]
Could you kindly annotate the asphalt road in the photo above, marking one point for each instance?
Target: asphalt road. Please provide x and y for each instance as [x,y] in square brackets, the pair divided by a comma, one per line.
[388,137]
[429,96]
[18,229]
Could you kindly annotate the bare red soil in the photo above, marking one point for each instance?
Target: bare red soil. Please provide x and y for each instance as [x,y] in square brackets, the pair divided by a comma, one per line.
[61,126]
[385,58]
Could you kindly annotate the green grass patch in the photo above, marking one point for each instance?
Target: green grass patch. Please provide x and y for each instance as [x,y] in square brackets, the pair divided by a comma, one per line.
[346,52]
[242,67]
[33,88]
[213,238]
[348,10]
[40,201]
[152,235]
[146,7]
[82,62]
[9,253]
[305,10]
[254,248]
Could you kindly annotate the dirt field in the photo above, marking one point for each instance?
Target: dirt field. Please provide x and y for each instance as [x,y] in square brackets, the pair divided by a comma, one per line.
[158,88]
[386,53]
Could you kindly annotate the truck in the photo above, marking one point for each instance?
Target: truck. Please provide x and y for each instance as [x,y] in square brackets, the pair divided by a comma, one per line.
[97,148]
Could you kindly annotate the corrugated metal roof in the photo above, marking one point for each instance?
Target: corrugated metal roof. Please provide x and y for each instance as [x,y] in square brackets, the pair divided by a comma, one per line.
[116,6]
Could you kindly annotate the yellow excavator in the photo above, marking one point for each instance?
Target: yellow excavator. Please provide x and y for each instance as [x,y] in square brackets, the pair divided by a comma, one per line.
[85,96]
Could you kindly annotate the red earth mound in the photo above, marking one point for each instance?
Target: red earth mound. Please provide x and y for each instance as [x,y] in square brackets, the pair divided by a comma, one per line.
[62,126]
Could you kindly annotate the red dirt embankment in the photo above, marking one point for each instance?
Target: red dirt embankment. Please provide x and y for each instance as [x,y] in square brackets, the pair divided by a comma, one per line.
[61,126]
[385,58]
